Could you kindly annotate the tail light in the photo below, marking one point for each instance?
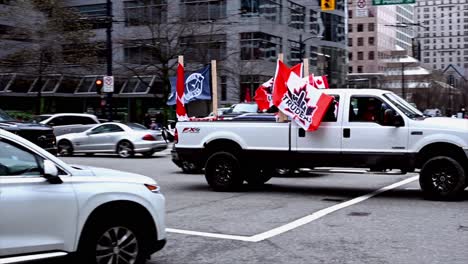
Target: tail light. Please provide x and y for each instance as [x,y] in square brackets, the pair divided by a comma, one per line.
[149,137]
[176,136]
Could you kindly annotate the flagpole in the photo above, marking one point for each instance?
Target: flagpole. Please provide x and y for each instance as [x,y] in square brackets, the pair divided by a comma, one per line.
[214,87]
[305,65]
[281,116]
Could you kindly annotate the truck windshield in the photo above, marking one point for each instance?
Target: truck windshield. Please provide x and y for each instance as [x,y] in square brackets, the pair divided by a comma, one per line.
[245,108]
[5,117]
[409,110]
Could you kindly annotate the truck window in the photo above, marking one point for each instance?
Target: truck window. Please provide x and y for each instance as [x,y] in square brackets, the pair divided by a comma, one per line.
[332,111]
[367,109]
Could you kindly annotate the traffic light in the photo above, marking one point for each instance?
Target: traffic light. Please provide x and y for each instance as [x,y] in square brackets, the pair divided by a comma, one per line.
[328,5]
[99,83]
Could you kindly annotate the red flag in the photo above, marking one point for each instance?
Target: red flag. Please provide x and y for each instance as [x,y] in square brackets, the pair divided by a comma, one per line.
[279,84]
[319,82]
[297,98]
[180,87]
[263,95]
[297,69]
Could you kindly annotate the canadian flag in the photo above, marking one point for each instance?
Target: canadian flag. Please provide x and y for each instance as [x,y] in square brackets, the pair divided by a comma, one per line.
[298,99]
[263,94]
[319,82]
[180,87]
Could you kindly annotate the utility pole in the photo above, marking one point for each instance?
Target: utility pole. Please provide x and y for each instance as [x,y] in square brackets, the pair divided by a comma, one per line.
[109,55]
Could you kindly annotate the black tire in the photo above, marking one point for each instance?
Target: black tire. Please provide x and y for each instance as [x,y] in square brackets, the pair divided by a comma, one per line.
[259,176]
[65,148]
[148,154]
[125,149]
[116,227]
[442,178]
[223,173]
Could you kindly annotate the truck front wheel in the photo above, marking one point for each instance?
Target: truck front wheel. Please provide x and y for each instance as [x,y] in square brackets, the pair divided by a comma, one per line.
[442,178]
[222,172]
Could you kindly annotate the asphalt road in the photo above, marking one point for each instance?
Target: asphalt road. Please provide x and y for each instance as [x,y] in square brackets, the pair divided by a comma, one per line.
[259,225]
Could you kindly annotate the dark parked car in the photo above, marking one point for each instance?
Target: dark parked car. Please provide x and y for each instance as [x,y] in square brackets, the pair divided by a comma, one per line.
[39,134]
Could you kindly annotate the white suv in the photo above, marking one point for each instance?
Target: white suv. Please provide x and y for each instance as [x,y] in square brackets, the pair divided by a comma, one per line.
[68,123]
[50,209]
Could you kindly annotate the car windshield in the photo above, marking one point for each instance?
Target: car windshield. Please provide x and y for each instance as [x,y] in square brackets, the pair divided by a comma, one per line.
[5,117]
[38,119]
[409,110]
[136,126]
[245,108]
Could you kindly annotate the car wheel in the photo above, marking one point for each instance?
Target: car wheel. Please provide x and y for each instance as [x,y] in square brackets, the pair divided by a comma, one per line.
[65,148]
[222,172]
[259,176]
[442,178]
[148,154]
[125,149]
[114,241]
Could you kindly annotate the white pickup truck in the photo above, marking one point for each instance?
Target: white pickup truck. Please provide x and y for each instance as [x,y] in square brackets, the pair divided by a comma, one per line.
[365,128]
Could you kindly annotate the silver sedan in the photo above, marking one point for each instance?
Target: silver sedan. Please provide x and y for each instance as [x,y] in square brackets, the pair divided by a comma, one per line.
[123,139]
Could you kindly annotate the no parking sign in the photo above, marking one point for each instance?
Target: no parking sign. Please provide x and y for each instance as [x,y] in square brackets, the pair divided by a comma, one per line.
[108,86]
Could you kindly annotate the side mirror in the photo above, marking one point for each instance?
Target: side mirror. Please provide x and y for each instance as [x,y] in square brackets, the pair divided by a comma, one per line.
[391,118]
[51,172]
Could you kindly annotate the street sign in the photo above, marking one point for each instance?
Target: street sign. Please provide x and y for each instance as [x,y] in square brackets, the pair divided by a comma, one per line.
[361,9]
[108,84]
[392,2]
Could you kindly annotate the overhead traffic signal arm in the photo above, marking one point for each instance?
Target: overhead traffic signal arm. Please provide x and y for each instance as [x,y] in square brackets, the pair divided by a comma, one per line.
[328,5]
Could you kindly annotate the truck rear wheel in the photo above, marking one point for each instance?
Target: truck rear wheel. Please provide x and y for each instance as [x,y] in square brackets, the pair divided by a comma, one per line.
[442,178]
[222,172]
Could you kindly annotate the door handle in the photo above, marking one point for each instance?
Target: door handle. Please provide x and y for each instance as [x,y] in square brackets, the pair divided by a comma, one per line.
[346,132]
[301,132]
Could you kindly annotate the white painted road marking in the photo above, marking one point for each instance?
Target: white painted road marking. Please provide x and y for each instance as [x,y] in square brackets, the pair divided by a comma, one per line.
[299,222]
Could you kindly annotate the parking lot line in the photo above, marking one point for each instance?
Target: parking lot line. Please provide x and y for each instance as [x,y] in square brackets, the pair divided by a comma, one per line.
[299,222]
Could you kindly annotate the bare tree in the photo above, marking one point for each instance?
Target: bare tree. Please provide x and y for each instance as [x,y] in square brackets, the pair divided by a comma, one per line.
[54,39]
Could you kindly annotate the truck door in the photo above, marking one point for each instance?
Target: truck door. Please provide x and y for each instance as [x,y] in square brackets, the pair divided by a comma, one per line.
[323,146]
[369,140]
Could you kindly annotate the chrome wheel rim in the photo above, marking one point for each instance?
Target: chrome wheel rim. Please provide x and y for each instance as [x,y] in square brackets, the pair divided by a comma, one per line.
[443,180]
[224,172]
[117,245]
[125,149]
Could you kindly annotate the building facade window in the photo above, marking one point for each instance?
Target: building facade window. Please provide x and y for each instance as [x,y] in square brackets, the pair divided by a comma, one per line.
[371,27]
[203,10]
[295,55]
[93,11]
[334,27]
[249,84]
[223,88]
[360,41]
[360,55]
[143,51]
[371,55]
[360,27]
[359,69]
[268,9]
[371,41]
[139,12]
[259,45]
[297,15]
[204,48]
